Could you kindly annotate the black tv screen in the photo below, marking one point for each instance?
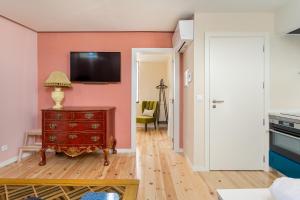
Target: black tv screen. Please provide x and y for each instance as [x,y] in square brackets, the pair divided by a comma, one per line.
[95,67]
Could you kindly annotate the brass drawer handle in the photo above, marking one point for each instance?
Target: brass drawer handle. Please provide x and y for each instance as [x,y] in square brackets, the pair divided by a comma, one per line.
[95,126]
[72,137]
[89,115]
[72,125]
[52,138]
[95,138]
[58,116]
[52,126]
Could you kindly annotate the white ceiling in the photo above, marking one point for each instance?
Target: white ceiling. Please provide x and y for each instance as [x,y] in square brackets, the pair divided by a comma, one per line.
[120,15]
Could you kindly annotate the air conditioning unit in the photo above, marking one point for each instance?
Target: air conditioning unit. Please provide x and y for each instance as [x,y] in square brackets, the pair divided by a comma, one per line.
[183,35]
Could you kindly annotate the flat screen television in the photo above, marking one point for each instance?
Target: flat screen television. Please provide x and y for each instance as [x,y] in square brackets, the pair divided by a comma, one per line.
[95,67]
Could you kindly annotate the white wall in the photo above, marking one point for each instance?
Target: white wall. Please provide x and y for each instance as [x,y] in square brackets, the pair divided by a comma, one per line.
[285,72]
[18,85]
[287,18]
[285,62]
[150,74]
[188,105]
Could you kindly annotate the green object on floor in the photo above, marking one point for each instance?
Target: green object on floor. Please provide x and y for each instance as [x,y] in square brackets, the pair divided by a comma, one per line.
[149,105]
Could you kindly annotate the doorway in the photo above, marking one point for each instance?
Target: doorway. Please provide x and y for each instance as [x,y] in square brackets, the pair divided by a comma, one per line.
[236,101]
[150,66]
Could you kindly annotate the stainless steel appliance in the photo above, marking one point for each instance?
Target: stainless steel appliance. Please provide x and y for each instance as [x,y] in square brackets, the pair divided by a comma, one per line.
[285,136]
[285,143]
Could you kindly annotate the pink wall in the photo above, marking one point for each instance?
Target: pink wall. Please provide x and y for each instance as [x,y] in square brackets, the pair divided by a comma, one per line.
[53,54]
[18,85]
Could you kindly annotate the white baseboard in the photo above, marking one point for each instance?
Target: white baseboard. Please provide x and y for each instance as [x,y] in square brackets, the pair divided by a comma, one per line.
[13,159]
[195,168]
[188,161]
[200,168]
[125,151]
[180,150]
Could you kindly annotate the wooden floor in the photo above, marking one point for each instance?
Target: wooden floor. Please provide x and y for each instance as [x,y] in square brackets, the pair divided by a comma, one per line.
[163,174]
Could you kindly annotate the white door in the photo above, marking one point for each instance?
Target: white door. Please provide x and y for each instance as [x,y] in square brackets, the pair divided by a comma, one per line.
[236,103]
[170,122]
[171,74]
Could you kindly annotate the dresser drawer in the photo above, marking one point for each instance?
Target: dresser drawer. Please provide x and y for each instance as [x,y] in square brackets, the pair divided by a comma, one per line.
[54,125]
[57,115]
[55,138]
[68,139]
[74,139]
[86,126]
[93,115]
[82,138]
[74,126]
[97,139]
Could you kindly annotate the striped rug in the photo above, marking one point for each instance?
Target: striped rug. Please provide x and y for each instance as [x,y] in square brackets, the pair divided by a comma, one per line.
[64,189]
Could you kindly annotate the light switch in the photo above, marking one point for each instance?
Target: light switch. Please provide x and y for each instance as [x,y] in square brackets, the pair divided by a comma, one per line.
[187,77]
[199,97]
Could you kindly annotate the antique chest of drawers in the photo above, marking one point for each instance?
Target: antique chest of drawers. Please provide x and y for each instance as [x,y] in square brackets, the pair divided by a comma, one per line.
[77,130]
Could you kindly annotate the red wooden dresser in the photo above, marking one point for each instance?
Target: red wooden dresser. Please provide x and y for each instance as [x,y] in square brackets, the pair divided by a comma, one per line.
[77,130]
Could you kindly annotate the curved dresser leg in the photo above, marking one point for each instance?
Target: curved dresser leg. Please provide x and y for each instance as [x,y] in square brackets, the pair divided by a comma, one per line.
[106,162]
[43,157]
[114,143]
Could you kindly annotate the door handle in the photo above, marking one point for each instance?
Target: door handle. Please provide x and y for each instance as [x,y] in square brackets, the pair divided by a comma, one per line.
[218,101]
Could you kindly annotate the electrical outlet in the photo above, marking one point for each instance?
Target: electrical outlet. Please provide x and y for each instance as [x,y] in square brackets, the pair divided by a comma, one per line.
[4,147]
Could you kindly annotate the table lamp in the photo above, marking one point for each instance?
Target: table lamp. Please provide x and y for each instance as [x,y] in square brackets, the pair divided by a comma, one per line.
[57,80]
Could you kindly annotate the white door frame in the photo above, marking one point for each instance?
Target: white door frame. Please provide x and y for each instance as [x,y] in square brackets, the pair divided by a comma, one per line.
[134,88]
[208,36]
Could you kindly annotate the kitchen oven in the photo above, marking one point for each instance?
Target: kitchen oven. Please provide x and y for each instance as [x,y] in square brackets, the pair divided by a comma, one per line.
[285,144]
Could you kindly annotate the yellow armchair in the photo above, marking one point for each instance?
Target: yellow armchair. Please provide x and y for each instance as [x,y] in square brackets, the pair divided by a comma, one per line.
[146,119]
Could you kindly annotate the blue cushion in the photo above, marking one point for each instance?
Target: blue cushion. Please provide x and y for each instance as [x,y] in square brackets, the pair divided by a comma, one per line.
[100,196]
